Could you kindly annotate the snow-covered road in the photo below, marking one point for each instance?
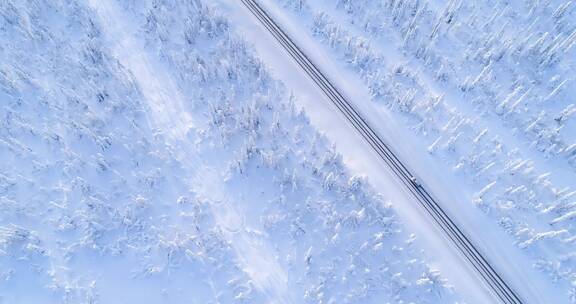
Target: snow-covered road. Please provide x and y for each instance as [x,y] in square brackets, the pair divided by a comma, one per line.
[499,288]
[497,247]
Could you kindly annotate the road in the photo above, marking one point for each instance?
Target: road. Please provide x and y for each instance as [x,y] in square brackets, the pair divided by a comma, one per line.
[501,290]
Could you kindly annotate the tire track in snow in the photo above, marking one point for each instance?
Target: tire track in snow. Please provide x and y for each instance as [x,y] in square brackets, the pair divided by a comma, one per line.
[252,252]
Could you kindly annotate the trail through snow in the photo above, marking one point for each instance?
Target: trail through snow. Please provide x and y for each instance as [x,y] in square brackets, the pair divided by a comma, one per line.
[166,104]
[167,113]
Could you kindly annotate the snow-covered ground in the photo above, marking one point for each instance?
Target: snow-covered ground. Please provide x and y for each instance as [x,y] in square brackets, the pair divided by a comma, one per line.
[148,156]
[481,95]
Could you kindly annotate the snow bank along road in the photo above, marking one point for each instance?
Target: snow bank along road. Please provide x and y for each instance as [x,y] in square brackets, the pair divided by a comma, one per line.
[498,287]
